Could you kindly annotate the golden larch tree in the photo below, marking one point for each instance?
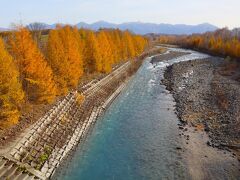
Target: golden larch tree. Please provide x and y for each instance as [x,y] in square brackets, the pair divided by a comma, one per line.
[129,50]
[72,55]
[91,56]
[11,93]
[105,62]
[35,74]
[65,58]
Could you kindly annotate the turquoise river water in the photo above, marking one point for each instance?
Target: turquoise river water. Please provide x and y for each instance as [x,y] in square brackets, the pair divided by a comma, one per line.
[137,136]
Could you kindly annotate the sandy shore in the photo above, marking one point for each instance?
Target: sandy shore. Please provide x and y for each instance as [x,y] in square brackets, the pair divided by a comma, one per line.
[206,162]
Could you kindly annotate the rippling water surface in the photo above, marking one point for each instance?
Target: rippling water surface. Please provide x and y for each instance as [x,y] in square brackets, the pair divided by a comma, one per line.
[137,136]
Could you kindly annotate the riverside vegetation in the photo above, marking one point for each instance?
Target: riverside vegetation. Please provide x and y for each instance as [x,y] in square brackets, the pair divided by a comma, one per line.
[74,74]
[211,101]
[37,71]
[222,42]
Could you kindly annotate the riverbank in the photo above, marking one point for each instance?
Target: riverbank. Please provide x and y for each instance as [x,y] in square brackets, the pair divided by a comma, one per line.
[203,161]
[140,136]
[207,103]
[45,145]
[31,113]
[41,148]
[136,138]
[167,56]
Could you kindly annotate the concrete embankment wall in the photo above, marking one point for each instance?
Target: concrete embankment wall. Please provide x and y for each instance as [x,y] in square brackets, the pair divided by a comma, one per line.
[49,141]
[83,129]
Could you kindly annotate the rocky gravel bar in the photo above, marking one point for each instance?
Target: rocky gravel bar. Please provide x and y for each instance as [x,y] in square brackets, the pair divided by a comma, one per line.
[208,99]
[167,56]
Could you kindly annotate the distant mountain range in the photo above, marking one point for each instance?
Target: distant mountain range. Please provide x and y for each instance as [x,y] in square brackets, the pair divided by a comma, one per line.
[4,29]
[145,28]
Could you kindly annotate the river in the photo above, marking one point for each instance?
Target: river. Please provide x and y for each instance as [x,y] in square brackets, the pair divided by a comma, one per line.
[137,137]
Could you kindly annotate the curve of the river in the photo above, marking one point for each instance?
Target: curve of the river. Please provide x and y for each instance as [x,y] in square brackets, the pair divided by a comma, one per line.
[137,136]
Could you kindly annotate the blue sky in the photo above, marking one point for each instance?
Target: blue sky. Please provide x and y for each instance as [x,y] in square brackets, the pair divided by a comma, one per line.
[219,12]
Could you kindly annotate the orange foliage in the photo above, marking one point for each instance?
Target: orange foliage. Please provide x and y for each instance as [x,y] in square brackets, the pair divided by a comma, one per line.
[105,62]
[26,72]
[65,58]
[128,46]
[91,52]
[221,42]
[104,49]
[11,93]
[35,74]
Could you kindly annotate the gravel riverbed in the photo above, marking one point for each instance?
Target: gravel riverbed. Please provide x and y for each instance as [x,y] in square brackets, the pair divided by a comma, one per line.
[207,100]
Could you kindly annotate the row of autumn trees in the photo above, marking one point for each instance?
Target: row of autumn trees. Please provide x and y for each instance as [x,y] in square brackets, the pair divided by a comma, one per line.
[221,42]
[38,75]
